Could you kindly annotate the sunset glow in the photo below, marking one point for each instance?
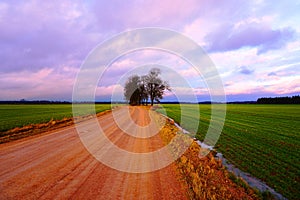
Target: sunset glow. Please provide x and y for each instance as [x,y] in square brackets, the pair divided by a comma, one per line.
[255,45]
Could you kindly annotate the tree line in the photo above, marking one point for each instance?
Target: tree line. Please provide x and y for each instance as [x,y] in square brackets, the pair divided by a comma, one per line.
[279,100]
[138,89]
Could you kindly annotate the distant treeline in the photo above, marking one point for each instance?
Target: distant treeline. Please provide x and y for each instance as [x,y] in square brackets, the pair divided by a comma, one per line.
[52,102]
[279,100]
[263,100]
[34,102]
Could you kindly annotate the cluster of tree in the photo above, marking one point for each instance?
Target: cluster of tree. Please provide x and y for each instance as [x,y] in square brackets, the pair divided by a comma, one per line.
[279,100]
[138,89]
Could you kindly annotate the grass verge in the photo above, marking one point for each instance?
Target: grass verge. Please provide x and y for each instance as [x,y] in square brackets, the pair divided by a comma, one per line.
[21,121]
[262,140]
[206,177]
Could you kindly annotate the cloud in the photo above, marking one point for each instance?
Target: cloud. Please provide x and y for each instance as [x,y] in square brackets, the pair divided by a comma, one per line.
[110,93]
[42,44]
[229,37]
[45,83]
[245,70]
[284,86]
[37,35]
[118,15]
[228,83]
[109,90]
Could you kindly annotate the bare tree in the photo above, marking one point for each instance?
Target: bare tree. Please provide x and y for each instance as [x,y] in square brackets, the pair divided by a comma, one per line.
[131,90]
[143,90]
[138,89]
[155,85]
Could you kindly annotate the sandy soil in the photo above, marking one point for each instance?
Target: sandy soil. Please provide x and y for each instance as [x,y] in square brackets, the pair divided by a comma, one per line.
[57,166]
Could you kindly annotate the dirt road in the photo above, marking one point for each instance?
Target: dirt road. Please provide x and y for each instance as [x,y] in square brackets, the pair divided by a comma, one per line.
[56,165]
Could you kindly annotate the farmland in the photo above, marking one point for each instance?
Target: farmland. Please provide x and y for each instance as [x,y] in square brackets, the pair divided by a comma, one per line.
[262,140]
[24,114]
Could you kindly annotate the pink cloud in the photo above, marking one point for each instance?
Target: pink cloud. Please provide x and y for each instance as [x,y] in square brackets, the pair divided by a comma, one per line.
[262,36]
[43,84]
[189,73]
[275,86]
[109,90]
[144,13]
[42,44]
[284,87]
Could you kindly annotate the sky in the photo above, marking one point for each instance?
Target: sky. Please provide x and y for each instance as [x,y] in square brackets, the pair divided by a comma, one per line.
[254,45]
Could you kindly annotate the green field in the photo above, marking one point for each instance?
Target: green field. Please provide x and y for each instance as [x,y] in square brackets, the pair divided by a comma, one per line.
[263,140]
[24,114]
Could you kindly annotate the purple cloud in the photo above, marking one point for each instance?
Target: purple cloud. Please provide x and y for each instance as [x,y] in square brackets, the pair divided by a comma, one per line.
[38,35]
[272,74]
[245,70]
[49,34]
[55,36]
[228,37]
[118,15]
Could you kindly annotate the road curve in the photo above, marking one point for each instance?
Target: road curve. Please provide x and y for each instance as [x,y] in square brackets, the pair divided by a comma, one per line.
[56,165]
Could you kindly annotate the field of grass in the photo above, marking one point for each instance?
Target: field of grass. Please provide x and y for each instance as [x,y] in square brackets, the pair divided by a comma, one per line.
[24,114]
[263,140]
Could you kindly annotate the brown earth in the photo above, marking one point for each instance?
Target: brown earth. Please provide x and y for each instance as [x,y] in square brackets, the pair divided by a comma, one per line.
[56,165]
[42,128]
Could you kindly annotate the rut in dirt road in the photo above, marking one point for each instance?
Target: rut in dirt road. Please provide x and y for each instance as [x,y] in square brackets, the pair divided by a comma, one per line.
[57,165]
